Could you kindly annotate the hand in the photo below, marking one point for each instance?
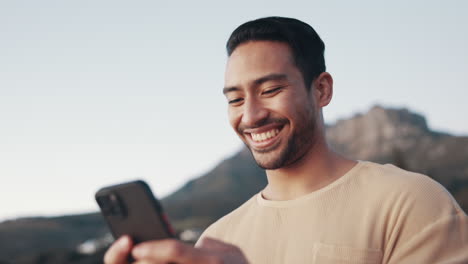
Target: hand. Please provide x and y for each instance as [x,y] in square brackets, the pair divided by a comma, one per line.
[119,252]
[210,251]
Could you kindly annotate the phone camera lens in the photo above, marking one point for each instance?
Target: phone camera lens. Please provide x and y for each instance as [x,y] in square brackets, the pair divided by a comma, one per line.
[105,204]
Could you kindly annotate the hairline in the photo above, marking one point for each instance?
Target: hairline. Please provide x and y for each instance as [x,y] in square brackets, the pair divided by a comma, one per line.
[291,53]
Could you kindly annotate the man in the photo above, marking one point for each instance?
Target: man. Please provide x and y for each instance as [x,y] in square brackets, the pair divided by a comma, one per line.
[318,206]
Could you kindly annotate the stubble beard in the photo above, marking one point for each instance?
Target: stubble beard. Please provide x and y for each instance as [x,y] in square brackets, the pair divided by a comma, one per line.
[297,146]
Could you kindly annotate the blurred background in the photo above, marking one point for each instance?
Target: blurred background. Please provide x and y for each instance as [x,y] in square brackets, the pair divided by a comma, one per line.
[94,93]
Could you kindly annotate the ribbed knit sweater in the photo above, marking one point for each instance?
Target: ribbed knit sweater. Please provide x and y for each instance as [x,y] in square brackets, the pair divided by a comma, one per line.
[373,214]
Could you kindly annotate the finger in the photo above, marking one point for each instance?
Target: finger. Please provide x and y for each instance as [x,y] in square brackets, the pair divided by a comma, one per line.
[211,243]
[170,250]
[215,244]
[119,251]
[227,252]
[147,262]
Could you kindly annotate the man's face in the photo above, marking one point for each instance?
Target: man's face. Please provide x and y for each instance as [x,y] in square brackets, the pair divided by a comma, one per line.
[269,106]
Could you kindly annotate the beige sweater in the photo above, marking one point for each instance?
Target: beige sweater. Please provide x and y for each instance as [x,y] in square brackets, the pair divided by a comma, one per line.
[373,214]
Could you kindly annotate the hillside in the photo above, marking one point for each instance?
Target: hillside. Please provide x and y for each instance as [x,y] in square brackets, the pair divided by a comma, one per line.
[383,135]
[205,199]
[403,138]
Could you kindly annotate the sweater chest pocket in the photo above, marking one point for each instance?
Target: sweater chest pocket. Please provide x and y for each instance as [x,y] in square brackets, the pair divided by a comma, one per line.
[333,254]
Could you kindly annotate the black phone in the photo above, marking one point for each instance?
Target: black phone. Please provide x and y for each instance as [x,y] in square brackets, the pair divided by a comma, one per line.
[131,209]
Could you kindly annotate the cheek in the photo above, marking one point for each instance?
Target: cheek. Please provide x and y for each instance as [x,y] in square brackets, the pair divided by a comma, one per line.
[234,118]
[299,110]
[288,107]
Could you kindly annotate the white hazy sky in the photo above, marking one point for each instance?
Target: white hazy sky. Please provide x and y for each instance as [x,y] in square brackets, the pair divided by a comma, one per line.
[98,92]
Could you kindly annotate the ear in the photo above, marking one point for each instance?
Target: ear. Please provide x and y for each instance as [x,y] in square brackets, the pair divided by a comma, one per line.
[323,91]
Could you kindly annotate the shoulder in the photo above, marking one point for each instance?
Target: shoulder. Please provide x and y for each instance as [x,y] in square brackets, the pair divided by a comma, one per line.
[389,173]
[411,201]
[219,228]
[421,216]
[393,181]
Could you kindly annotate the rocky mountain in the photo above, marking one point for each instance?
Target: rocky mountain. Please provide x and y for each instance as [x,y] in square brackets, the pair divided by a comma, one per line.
[203,200]
[42,239]
[383,135]
[403,138]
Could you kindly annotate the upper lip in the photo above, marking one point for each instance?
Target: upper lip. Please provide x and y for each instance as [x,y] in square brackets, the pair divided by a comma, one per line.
[262,129]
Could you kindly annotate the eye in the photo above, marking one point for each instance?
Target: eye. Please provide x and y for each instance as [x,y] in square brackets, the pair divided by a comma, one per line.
[273,90]
[235,101]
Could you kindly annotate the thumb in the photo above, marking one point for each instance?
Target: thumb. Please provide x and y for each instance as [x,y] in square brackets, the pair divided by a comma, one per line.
[119,251]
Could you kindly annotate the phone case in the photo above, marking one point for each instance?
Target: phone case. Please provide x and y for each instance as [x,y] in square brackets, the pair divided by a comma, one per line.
[131,209]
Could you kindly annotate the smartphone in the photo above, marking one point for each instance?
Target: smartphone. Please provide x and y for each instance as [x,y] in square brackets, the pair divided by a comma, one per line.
[131,209]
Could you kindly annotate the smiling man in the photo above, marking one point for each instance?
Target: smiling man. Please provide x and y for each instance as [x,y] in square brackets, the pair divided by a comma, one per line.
[318,206]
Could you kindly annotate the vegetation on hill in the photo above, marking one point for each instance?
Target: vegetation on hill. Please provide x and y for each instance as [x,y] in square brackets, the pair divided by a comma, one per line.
[382,135]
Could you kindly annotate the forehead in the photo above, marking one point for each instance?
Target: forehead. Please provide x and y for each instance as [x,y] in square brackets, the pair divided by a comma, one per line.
[255,59]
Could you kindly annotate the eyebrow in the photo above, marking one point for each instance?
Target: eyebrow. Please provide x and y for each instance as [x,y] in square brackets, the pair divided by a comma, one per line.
[259,81]
[230,89]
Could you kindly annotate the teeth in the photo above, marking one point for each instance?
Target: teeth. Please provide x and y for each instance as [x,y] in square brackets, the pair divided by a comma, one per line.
[265,135]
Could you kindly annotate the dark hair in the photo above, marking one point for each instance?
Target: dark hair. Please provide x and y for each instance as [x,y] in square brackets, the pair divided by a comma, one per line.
[306,46]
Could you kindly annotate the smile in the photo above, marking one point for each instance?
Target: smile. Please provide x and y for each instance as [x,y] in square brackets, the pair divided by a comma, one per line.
[259,137]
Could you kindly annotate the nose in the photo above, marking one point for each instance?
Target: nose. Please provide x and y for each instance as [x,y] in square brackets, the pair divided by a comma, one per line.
[254,113]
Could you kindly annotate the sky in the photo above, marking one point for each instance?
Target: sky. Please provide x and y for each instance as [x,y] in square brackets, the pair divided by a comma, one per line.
[94,93]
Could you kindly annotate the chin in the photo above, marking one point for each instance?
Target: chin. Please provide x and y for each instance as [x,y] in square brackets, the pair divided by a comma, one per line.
[269,161]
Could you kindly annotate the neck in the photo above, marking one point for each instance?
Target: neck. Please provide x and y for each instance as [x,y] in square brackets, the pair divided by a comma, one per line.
[315,170]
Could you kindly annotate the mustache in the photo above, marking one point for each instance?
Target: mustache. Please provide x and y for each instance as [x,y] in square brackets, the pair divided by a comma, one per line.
[263,122]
